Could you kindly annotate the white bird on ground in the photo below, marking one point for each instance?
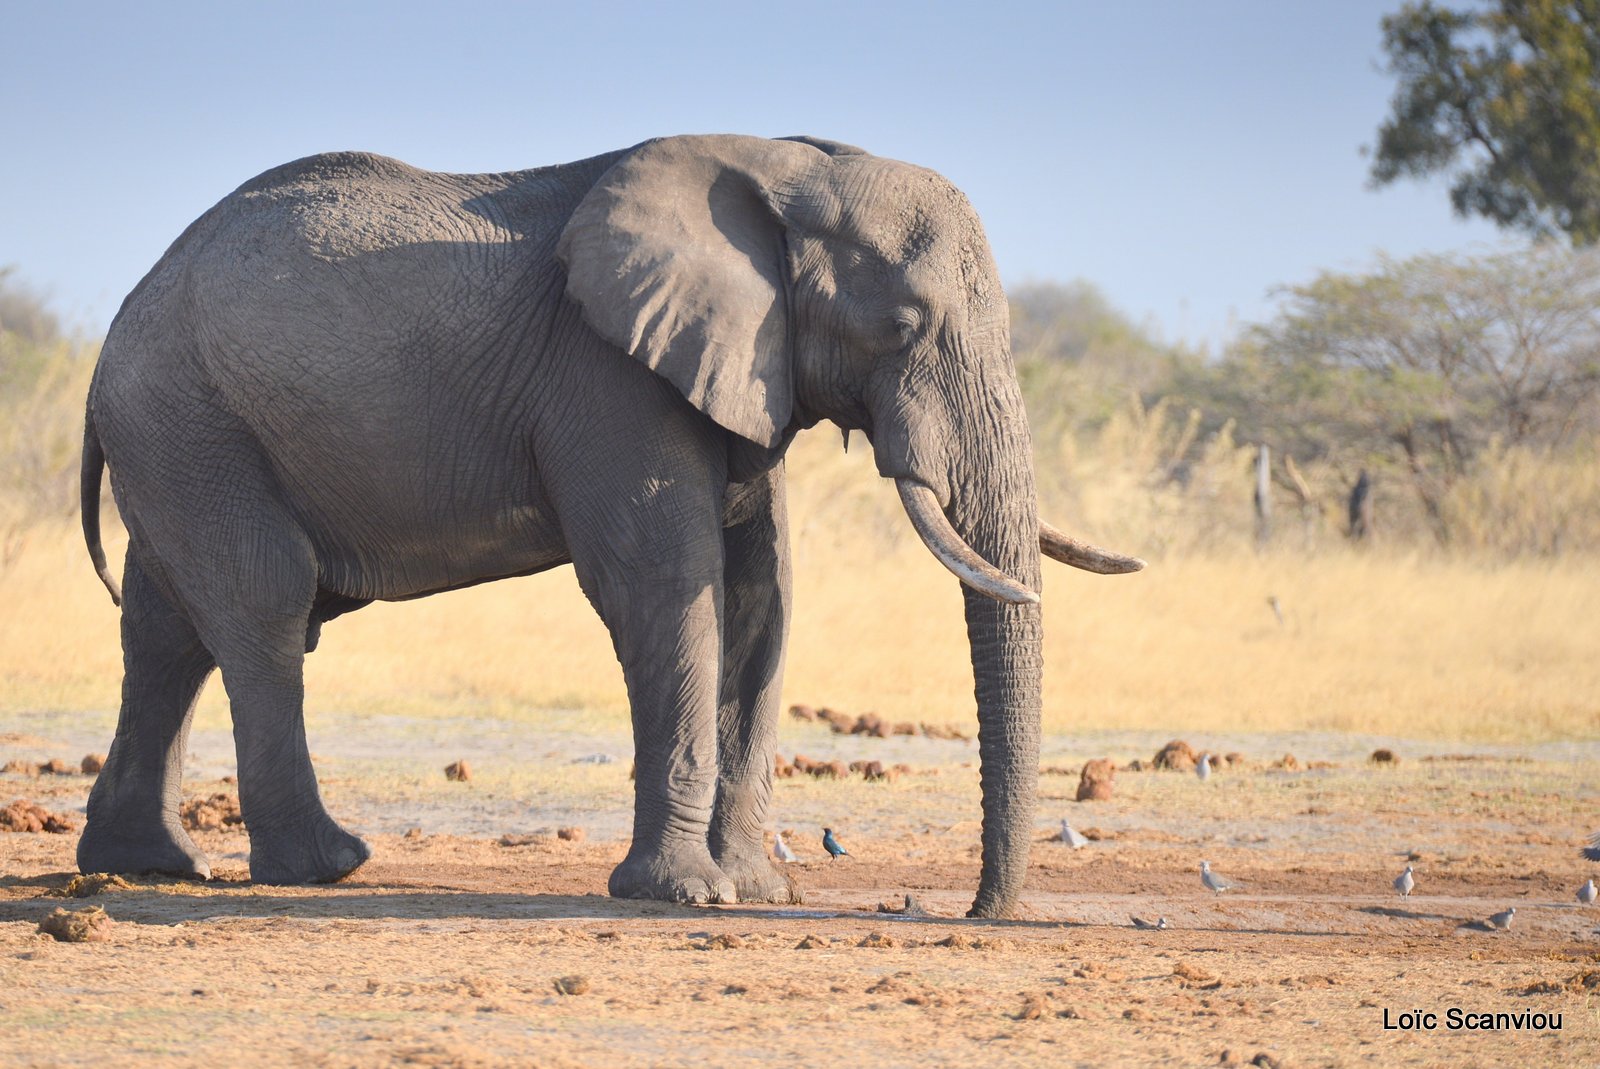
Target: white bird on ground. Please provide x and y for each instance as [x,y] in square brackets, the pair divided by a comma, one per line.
[1586,893]
[1405,882]
[1157,925]
[1075,839]
[1215,882]
[1502,921]
[1203,769]
[780,849]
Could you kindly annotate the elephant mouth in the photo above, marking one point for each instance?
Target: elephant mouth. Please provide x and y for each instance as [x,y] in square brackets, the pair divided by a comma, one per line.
[950,549]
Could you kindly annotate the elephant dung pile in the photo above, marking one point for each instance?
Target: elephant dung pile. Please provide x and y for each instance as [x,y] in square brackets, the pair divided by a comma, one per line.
[871,771]
[1094,782]
[25,816]
[874,725]
[90,765]
[218,812]
[92,925]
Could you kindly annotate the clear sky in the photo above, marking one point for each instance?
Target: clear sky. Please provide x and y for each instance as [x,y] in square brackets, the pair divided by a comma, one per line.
[1185,157]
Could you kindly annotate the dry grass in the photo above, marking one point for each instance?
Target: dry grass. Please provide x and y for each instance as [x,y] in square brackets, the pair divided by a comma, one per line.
[1381,642]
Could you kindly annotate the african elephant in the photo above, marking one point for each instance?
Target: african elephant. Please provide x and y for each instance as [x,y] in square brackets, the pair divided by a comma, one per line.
[352,380]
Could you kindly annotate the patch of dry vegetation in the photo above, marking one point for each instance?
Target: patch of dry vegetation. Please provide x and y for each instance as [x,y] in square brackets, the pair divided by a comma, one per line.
[1396,636]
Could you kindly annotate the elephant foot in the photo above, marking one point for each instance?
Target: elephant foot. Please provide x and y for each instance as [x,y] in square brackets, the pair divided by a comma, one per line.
[682,873]
[757,879]
[296,855]
[164,848]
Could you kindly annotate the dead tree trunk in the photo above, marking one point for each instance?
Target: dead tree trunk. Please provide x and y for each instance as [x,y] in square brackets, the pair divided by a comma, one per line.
[1263,496]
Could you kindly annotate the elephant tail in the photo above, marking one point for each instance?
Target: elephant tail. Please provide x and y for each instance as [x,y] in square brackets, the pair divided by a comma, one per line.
[94,465]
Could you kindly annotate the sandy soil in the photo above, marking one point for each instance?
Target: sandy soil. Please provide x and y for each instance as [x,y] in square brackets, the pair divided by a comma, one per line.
[450,949]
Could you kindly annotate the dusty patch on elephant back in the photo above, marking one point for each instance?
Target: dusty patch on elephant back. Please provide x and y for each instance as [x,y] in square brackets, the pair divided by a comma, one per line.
[91,884]
[1094,782]
[91,925]
[1176,755]
[25,816]
[217,812]
[458,771]
[92,763]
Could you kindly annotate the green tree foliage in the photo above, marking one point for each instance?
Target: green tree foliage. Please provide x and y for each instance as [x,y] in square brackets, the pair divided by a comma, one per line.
[1506,99]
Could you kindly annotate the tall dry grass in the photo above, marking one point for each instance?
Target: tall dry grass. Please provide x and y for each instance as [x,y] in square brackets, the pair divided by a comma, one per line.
[1390,640]
[1495,639]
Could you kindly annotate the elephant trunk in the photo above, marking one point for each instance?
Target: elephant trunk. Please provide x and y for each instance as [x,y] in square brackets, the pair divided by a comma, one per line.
[996,514]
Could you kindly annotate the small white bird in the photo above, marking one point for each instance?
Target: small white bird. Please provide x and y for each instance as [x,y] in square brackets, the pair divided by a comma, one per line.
[780,849]
[1215,882]
[1203,769]
[1586,893]
[1157,925]
[1405,882]
[1076,840]
[1502,921]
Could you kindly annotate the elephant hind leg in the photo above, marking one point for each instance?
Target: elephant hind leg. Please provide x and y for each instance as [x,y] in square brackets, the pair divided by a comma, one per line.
[133,823]
[259,632]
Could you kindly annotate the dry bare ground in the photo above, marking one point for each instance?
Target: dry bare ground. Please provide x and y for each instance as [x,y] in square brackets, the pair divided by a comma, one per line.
[451,949]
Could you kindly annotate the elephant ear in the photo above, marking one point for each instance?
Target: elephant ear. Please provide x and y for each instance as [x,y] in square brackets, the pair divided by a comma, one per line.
[677,256]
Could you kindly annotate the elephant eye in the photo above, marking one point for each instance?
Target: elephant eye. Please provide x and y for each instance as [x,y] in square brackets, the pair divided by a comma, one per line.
[906,322]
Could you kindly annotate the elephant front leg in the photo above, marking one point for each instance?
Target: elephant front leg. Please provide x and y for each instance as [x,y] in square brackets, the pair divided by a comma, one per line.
[756,605]
[666,636]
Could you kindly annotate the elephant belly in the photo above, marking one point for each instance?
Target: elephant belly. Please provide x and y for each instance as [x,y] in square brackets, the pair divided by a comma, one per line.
[387,541]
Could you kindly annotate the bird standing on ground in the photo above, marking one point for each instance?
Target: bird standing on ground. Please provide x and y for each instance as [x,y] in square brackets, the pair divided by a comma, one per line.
[1405,882]
[1502,921]
[1076,840]
[1213,882]
[1586,893]
[1157,925]
[831,845]
[1203,769]
[780,849]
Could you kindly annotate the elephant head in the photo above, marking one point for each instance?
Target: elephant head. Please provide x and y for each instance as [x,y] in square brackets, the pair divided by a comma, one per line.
[777,283]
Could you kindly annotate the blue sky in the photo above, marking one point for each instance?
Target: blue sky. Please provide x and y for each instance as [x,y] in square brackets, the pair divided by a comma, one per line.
[1184,157]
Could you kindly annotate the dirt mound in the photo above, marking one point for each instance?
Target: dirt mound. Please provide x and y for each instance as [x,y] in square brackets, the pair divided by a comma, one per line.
[1584,982]
[92,764]
[571,835]
[1176,755]
[217,812]
[458,771]
[1289,763]
[91,925]
[25,816]
[1094,782]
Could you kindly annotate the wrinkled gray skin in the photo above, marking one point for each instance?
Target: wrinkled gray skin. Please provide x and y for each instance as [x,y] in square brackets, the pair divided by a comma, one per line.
[352,380]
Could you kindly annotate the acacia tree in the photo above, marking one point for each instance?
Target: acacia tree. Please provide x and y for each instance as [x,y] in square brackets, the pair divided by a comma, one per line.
[1427,361]
[1504,97]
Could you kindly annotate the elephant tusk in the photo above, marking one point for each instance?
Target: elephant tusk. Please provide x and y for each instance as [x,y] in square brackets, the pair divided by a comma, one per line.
[933,527]
[1068,550]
